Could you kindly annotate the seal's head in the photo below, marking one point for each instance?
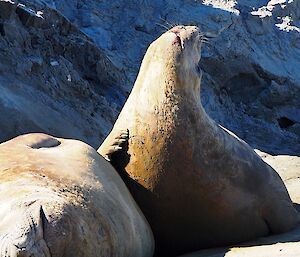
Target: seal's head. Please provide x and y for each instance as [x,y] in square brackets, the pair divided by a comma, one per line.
[172,61]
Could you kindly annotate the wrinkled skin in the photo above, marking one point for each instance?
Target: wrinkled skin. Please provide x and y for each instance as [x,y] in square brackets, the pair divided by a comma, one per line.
[60,198]
[198,185]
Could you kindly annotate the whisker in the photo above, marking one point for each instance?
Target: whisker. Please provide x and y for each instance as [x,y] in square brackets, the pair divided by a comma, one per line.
[208,36]
[206,43]
[201,34]
[168,24]
[165,21]
[163,26]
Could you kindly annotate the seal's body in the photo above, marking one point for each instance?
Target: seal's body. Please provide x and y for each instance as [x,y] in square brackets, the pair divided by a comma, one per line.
[197,184]
[59,197]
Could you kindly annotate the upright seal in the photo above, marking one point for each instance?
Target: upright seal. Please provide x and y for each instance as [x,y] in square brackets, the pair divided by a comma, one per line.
[197,183]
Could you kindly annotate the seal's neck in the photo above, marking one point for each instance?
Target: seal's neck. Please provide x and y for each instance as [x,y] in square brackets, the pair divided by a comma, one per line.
[185,85]
[164,95]
[156,83]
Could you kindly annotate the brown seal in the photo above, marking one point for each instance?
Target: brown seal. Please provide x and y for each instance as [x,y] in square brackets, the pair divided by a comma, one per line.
[197,183]
[59,197]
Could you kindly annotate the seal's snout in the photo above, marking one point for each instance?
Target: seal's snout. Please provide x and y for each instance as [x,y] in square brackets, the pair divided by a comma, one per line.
[185,34]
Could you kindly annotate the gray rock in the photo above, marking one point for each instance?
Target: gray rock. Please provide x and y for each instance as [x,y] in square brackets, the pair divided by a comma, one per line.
[54,78]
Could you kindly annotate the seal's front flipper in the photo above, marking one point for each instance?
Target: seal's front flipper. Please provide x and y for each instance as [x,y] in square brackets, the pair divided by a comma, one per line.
[113,143]
[22,233]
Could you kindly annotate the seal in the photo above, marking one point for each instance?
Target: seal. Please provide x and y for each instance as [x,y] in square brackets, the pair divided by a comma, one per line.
[59,197]
[197,183]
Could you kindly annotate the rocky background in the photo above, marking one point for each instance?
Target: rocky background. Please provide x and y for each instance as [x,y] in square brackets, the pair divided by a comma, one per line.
[67,67]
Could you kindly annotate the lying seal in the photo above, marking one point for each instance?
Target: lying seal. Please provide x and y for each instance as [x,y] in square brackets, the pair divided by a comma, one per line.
[60,198]
[197,184]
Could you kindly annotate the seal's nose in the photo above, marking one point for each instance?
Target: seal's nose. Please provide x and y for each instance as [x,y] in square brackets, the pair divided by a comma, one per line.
[177,29]
[185,32]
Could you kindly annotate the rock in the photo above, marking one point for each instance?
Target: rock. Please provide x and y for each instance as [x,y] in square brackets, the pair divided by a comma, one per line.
[53,78]
[282,245]
[58,197]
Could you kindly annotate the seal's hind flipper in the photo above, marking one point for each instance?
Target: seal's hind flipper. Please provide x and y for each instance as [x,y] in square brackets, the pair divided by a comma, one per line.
[25,235]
